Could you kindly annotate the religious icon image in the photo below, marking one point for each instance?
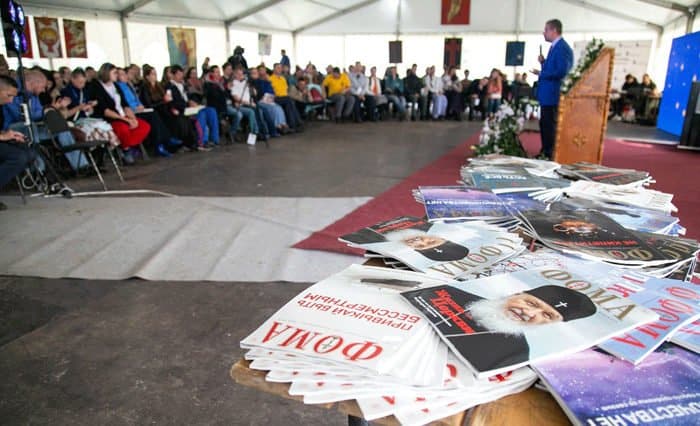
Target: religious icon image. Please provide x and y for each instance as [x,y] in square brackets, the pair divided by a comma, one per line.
[182,46]
[47,37]
[455,12]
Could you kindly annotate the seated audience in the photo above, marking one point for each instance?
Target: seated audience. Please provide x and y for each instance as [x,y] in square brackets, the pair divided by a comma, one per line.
[193,84]
[240,95]
[301,95]
[433,84]
[413,87]
[281,89]
[264,97]
[81,108]
[375,89]
[219,98]
[393,90]
[135,80]
[159,138]
[15,153]
[90,74]
[453,93]
[337,89]
[112,107]
[207,118]
[648,86]
[154,95]
[359,87]
[35,83]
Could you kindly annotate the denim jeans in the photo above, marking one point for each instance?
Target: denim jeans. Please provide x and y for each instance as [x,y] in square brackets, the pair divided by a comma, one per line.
[209,122]
[249,113]
[235,115]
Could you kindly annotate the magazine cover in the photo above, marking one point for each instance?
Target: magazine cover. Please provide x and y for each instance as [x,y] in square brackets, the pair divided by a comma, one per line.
[500,323]
[603,174]
[521,201]
[533,166]
[677,304]
[688,337]
[634,218]
[446,250]
[595,388]
[352,318]
[457,202]
[633,196]
[513,179]
[593,234]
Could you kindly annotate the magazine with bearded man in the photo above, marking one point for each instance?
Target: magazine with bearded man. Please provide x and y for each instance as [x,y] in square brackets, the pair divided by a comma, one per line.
[503,322]
[445,250]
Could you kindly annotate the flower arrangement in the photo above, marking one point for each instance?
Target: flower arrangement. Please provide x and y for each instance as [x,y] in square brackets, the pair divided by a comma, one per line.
[591,53]
[500,134]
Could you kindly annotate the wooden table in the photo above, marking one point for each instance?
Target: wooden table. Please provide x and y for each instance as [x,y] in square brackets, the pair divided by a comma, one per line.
[532,407]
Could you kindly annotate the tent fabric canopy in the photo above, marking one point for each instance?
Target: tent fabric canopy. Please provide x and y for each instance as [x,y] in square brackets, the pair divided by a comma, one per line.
[390,16]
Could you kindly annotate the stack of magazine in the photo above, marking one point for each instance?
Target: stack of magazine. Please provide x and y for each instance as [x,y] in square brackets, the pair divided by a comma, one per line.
[594,388]
[534,167]
[594,236]
[352,336]
[462,203]
[445,250]
[502,322]
[634,218]
[625,195]
[678,301]
[506,179]
[602,174]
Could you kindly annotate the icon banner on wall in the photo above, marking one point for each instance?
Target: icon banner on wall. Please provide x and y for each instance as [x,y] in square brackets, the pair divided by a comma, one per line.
[453,52]
[182,46]
[47,37]
[455,12]
[264,44]
[75,38]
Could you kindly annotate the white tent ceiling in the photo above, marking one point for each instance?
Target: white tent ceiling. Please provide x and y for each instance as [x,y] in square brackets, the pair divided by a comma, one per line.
[390,16]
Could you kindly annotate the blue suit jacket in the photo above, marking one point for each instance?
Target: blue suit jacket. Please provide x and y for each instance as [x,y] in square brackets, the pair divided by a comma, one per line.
[559,62]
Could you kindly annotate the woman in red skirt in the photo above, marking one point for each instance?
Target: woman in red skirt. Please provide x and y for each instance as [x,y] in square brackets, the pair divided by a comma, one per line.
[130,130]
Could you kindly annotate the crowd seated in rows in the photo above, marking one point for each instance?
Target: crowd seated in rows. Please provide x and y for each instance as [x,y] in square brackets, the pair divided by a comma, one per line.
[139,113]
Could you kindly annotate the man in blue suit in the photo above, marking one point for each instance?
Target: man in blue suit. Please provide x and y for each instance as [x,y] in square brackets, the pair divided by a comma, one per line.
[559,62]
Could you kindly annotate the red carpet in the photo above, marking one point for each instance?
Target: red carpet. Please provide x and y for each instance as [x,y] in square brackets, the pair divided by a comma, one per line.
[676,171]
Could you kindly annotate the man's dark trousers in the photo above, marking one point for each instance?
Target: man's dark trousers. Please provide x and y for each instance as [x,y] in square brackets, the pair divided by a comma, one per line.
[14,158]
[548,129]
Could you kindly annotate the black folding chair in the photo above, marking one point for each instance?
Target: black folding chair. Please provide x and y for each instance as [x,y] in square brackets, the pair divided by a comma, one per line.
[55,123]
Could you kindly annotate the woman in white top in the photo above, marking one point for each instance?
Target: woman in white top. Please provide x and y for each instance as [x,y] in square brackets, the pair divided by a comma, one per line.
[130,130]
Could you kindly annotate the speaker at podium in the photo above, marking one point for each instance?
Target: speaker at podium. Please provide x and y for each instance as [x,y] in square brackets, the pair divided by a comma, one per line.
[515,53]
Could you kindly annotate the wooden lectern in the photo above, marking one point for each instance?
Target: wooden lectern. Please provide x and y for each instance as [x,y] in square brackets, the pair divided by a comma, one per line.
[583,114]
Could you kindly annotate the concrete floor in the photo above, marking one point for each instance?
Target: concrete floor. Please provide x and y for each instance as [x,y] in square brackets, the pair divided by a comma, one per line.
[138,352]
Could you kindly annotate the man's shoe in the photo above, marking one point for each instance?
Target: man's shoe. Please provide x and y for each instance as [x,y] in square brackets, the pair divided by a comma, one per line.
[3,206]
[203,149]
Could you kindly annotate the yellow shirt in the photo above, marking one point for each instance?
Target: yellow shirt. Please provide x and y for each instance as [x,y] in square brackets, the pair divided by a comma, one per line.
[279,85]
[336,85]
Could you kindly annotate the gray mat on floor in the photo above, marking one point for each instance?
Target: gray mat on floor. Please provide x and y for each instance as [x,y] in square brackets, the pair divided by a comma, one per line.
[170,239]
